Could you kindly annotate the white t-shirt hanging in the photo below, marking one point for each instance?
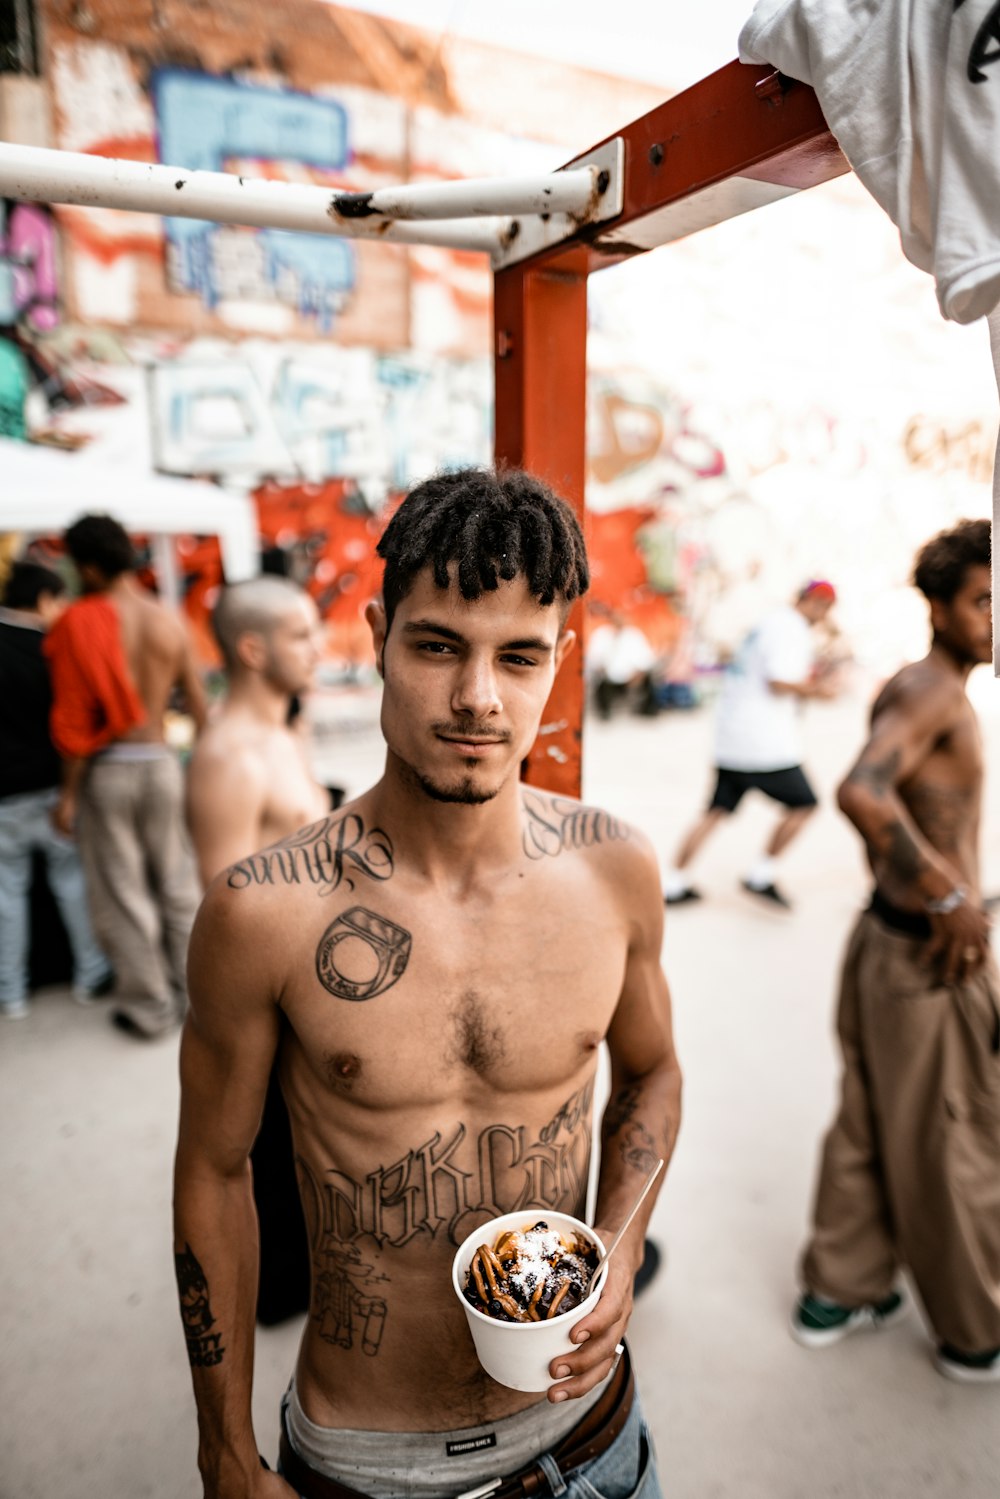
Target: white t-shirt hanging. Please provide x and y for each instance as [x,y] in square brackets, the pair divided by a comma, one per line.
[756,728]
[911,91]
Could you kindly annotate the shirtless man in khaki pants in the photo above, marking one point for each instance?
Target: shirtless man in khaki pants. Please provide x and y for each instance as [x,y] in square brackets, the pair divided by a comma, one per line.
[435,970]
[116,657]
[250,785]
[909,1172]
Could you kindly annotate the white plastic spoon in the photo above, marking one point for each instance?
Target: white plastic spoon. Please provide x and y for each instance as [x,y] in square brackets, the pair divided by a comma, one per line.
[650,1179]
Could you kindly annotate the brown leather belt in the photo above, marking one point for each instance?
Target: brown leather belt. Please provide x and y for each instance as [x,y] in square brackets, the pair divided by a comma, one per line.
[602,1424]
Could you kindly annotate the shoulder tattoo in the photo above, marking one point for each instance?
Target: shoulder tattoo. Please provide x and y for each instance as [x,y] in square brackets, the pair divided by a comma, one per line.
[554,824]
[325,855]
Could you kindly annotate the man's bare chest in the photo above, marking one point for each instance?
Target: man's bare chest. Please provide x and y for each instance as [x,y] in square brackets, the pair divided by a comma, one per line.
[944,793]
[394,1000]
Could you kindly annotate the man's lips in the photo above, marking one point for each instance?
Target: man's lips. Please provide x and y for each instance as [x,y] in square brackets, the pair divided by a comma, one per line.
[470,747]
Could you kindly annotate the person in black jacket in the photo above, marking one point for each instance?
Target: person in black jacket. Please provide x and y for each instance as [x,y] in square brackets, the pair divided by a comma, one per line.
[29,788]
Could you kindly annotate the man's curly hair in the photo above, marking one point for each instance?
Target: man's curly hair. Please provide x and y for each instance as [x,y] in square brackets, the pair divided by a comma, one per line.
[943,562]
[483,526]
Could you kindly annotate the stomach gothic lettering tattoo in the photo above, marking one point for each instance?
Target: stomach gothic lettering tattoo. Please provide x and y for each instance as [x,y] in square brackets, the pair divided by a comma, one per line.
[446,1186]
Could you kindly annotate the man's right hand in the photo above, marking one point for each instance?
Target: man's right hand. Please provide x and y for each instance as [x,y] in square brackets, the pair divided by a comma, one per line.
[263,1485]
[64,815]
[959,943]
[273,1486]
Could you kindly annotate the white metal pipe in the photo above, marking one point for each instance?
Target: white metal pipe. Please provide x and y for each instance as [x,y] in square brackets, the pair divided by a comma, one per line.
[38,175]
[574,192]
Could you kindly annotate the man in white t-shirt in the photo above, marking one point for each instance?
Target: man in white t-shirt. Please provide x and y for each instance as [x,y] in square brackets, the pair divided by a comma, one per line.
[758,738]
[619,657]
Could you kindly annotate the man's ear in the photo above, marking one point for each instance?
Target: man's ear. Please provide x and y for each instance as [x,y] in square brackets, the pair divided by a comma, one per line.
[565,643]
[939,615]
[251,650]
[375,615]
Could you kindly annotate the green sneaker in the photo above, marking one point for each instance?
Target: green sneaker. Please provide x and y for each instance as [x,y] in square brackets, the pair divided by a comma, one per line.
[817,1322]
[969,1368]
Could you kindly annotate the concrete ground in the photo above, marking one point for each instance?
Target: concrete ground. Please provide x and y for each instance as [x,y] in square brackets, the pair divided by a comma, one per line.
[94,1383]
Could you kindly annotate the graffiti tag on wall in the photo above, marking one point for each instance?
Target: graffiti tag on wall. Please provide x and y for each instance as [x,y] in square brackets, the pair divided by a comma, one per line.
[28,281]
[203,123]
[382,420]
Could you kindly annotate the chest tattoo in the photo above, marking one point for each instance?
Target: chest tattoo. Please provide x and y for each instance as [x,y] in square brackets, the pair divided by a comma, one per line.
[362,954]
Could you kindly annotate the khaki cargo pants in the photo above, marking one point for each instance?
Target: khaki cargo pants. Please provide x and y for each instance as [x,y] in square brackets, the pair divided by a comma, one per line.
[910,1171]
[141,883]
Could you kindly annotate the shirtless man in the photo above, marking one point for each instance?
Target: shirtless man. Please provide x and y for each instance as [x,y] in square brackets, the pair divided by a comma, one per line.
[249,784]
[435,969]
[116,656]
[908,1175]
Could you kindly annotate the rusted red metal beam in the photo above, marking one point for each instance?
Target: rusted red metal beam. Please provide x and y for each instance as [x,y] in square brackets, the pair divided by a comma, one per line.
[737,140]
[540,328]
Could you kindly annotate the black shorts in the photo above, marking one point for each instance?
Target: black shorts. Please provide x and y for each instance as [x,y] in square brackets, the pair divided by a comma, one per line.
[790,787]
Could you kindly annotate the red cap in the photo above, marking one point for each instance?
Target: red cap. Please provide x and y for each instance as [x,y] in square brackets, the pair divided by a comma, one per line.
[819,588]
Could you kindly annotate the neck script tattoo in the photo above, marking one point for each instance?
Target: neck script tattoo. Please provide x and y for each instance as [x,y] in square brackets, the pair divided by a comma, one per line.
[554,824]
[326,855]
[362,954]
[203,1345]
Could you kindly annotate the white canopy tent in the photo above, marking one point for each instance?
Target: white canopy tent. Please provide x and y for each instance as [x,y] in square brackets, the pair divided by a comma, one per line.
[42,491]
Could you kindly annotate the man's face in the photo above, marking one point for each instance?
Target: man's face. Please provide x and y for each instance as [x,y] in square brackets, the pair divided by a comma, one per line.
[466,683]
[965,625]
[816,607]
[292,647]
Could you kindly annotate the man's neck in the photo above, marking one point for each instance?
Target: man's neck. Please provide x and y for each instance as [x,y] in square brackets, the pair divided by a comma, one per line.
[448,843]
[254,695]
[944,659]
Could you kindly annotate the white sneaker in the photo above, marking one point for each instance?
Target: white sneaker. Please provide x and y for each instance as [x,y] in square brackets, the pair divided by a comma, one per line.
[15,1009]
[968,1368]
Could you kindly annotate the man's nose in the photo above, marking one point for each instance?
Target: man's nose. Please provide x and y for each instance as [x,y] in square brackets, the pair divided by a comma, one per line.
[476,692]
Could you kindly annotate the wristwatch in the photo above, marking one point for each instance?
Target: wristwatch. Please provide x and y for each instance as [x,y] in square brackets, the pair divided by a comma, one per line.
[947,903]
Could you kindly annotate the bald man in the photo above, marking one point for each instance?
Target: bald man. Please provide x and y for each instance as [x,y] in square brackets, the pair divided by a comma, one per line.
[249,786]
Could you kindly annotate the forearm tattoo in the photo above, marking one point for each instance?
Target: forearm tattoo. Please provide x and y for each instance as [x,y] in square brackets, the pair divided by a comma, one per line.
[203,1345]
[325,855]
[636,1145]
[905,860]
[362,954]
[877,776]
[554,824]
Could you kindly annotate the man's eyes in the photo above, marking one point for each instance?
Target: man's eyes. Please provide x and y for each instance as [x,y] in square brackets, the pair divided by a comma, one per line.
[445,648]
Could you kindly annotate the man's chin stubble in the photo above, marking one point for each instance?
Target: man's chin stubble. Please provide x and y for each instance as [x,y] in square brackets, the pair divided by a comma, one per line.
[465,793]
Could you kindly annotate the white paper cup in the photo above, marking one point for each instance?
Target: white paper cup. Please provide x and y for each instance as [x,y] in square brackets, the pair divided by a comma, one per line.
[518,1354]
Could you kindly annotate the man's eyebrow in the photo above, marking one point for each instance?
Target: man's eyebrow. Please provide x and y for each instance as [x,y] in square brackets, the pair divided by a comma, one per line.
[433,627]
[529,643]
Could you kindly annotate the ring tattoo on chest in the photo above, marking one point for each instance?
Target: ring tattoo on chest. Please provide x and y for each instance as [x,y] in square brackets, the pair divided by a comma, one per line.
[361,954]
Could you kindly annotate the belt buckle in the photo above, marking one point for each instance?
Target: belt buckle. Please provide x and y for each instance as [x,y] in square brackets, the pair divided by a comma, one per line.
[482,1491]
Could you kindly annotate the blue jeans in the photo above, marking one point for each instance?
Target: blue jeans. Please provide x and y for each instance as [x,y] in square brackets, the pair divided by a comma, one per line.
[25,825]
[627,1470]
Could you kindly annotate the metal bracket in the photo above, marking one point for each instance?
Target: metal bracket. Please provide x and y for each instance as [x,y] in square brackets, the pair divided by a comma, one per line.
[524,236]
